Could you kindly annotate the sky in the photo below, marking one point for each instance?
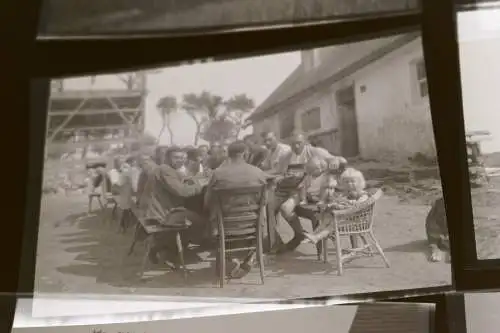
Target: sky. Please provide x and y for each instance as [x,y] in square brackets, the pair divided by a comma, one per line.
[479,45]
[257,77]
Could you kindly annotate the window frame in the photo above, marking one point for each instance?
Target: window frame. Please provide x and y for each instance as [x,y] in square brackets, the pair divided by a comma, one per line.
[58,57]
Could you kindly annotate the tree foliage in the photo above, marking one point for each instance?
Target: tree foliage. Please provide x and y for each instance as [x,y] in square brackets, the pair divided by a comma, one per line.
[166,106]
[215,118]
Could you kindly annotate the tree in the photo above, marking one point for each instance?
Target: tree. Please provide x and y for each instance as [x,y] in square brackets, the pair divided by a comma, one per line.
[166,106]
[202,108]
[238,108]
[219,130]
[130,80]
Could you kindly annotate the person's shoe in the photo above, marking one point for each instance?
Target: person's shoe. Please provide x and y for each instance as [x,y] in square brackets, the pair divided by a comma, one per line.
[280,249]
[241,272]
[310,238]
[244,268]
[235,267]
[294,243]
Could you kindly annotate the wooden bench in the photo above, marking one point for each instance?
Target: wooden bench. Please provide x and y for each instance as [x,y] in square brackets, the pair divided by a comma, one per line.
[152,227]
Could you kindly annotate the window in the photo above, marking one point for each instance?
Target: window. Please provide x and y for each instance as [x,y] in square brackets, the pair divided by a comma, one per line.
[311,120]
[287,124]
[421,79]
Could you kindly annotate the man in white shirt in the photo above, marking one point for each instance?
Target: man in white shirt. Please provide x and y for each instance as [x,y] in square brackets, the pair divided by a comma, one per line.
[277,153]
[302,153]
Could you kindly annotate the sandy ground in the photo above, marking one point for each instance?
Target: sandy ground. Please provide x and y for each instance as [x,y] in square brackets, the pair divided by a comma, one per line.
[486,209]
[81,254]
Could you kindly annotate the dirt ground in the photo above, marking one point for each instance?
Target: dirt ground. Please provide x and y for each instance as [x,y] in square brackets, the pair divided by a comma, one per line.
[82,254]
[486,209]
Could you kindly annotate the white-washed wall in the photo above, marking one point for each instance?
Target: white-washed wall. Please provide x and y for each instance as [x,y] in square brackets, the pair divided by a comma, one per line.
[393,123]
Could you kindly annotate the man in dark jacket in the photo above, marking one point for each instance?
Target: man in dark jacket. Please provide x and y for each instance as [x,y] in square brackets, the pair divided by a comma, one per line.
[166,190]
[235,173]
[256,152]
[217,156]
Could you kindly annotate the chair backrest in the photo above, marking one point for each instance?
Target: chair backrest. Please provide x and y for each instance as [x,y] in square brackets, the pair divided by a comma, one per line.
[240,210]
[361,213]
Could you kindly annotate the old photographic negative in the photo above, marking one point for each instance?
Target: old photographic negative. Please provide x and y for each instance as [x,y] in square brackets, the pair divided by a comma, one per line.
[297,174]
[479,35]
[365,318]
[80,17]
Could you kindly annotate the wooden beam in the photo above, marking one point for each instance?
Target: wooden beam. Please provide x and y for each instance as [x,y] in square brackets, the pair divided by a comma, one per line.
[129,123]
[93,112]
[82,144]
[66,121]
[102,93]
[89,128]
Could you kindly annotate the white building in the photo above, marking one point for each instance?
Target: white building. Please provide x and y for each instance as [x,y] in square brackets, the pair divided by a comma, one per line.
[366,99]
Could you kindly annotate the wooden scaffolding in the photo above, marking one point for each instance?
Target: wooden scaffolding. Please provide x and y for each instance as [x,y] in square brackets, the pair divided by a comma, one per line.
[98,117]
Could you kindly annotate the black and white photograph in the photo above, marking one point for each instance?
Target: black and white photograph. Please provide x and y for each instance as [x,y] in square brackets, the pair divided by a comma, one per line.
[364,318]
[296,174]
[479,47]
[77,17]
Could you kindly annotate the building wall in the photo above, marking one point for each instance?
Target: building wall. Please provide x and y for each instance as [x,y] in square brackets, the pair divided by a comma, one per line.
[393,121]
[269,124]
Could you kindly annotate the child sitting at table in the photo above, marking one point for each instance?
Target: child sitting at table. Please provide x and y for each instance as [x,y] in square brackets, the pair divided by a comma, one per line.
[352,192]
[310,189]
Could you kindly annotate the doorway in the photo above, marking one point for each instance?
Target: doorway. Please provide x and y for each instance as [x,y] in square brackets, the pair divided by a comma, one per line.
[327,140]
[348,121]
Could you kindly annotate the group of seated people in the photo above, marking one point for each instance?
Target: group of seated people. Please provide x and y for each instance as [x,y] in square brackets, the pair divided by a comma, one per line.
[177,187]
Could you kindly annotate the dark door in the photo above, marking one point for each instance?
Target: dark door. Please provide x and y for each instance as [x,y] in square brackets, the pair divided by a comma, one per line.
[327,140]
[346,108]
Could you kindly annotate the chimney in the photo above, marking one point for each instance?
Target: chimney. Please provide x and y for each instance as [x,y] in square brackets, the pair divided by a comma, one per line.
[310,59]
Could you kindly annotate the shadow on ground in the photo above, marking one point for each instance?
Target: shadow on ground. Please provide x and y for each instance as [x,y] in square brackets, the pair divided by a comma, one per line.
[101,253]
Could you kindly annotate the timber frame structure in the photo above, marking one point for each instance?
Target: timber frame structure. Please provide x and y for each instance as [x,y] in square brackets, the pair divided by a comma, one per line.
[86,118]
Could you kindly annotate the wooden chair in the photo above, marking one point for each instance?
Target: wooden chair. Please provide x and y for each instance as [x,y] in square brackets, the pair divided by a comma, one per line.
[151,225]
[108,200]
[240,218]
[95,196]
[356,221]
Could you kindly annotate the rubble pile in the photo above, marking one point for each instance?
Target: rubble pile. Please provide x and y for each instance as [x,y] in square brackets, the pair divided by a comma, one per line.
[409,182]
[63,178]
